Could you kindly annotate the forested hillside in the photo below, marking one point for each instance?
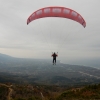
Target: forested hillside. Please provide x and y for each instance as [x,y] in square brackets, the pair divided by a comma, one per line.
[44,92]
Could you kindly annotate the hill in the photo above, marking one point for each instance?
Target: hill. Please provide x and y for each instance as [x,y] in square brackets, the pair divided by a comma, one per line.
[43,92]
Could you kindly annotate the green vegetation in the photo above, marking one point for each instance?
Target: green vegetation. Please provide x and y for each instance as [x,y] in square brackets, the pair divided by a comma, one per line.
[3,92]
[90,92]
[44,92]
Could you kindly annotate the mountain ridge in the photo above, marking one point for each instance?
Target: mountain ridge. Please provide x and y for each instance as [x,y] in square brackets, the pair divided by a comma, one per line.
[20,70]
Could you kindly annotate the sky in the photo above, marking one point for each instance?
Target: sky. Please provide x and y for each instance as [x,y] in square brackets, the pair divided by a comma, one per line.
[74,44]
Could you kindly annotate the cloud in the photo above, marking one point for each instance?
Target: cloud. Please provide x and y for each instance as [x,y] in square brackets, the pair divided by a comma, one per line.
[46,35]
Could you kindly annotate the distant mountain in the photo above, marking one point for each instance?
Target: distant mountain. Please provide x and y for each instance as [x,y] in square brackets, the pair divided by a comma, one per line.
[4,57]
[42,71]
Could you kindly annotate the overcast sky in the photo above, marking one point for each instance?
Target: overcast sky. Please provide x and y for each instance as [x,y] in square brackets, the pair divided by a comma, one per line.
[41,37]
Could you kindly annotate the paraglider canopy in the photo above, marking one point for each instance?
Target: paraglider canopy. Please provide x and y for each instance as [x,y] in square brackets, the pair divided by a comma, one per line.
[57,12]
